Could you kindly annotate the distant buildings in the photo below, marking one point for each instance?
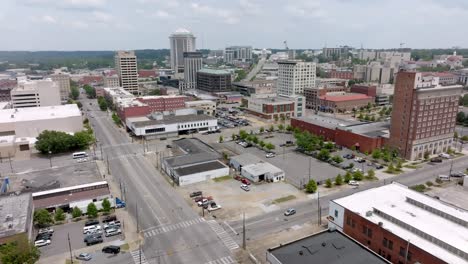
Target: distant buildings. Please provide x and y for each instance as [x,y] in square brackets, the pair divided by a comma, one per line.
[402,225]
[238,53]
[127,70]
[348,75]
[17,218]
[205,107]
[35,94]
[336,53]
[192,64]
[294,76]
[342,102]
[423,116]
[63,82]
[182,40]
[212,80]
[276,107]
[6,85]
[256,86]
[111,81]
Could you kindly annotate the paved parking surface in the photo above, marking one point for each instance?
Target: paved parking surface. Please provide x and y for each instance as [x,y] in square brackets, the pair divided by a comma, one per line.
[59,242]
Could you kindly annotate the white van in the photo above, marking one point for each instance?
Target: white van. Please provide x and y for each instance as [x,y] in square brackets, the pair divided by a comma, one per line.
[444,177]
[79,155]
[445,155]
[90,229]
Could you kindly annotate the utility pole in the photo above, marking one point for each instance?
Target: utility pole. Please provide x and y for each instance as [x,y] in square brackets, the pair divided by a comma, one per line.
[407,249]
[108,165]
[310,166]
[451,167]
[9,159]
[243,232]
[69,248]
[50,158]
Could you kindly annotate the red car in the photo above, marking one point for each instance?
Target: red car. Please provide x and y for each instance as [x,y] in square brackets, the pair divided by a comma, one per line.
[238,178]
[245,181]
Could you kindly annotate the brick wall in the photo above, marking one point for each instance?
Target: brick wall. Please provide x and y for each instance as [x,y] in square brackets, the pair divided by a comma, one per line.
[327,133]
[369,90]
[362,143]
[341,74]
[383,242]
[125,112]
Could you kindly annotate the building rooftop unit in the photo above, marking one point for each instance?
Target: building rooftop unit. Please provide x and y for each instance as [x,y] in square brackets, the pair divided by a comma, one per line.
[344,97]
[329,246]
[14,211]
[261,168]
[428,223]
[39,113]
[172,119]
[274,100]
[214,71]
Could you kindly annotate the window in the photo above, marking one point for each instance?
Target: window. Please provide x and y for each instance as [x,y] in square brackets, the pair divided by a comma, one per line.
[385,242]
[348,221]
[336,213]
[353,223]
[390,244]
[402,251]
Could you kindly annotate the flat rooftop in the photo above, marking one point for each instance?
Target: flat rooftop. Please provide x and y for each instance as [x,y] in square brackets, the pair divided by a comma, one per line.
[208,166]
[328,122]
[375,129]
[14,211]
[214,71]
[422,216]
[171,119]
[246,158]
[344,97]
[260,168]
[192,151]
[39,113]
[330,247]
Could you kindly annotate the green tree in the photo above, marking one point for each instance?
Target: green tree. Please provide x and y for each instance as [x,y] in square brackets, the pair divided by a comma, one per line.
[358,175]
[391,168]
[116,119]
[102,103]
[328,183]
[155,92]
[262,130]
[280,127]
[376,154]
[324,155]
[42,218]
[464,100]
[337,159]
[328,145]
[399,166]
[76,212]
[75,93]
[59,215]
[92,210]
[348,176]
[339,180]
[426,155]
[90,91]
[261,144]
[221,139]
[106,206]
[233,136]
[289,128]
[276,118]
[272,128]
[21,251]
[243,134]
[371,174]
[269,146]
[461,117]
[311,186]
[361,116]
[255,139]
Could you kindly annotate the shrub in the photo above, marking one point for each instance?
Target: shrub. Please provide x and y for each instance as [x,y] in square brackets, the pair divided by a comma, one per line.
[42,218]
[106,206]
[339,180]
[371,174]
[76,212]
[348,176]
[328,183]
[59,215]
[92,210]
[311,186]
[221,139]
[438,181]
[429,183]
[358,176]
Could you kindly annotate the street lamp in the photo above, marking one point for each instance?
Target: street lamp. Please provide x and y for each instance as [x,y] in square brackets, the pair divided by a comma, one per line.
[50,158]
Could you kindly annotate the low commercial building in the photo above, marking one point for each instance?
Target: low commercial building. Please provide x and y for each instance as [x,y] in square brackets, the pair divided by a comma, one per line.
[255,87]
[262,171]
[75,196]
[276,107]
[171,125]
[35,93]
[312,94]
[205,107]
[20,127]
[196,162]
[212,80]
[228,97]
[17,217]
[402,225]
[244,159]
[342,102]
[367,89]
[111,81]
[364,137]
[329,246]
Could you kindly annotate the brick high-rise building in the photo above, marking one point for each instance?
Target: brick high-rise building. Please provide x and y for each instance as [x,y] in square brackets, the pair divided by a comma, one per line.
[126,67]
[424,115]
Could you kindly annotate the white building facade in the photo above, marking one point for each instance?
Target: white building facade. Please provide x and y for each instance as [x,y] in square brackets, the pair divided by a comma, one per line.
[294,76]
[63,81]
[182,40]
[35,93]
[192,64]
[127,70]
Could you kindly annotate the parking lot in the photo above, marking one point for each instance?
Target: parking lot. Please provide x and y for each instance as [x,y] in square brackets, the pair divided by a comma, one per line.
[235,201]
[59,241]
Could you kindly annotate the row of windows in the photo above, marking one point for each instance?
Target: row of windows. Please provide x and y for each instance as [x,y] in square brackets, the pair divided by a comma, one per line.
[155,130]
[432,134]
[193,125]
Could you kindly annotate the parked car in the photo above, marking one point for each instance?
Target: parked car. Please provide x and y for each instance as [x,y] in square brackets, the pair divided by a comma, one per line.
[356,169]
[94,240]
[91,229]
[91,222]
[111,249]
[168,146]
[348,156]
[346,166]
[112,224]
[238,178]
[113,232]
[84,256]
[357,159]
[109,218]
[444,155]
[270,155]
[44,236]
[47,230]
[213,207]
[195,194]
[444,177]
[378,166]
[245,181]
[353,183]
[91,236]
[437,159]
[290,211]
[245,187]
[202,202]
[41,243]
[458,174]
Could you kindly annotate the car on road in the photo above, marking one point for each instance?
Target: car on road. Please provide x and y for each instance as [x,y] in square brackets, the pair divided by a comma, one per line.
[359,160]
[245,187]
[82,160]
[457,174]
[245,181]
[41,243]
[378,166]
[84,256]
[168,146]
[113,232]
[91,222]
[237,178]
[270,155]
[213,207]
[353,183]
[290,211]
[195,194]
[44,236]
[111,249]
[47,230]
[94,240]
[437,160]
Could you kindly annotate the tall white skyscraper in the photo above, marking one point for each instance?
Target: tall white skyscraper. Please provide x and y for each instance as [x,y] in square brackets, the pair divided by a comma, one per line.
[182,40]
[192,64]
[127,70]
[294,76]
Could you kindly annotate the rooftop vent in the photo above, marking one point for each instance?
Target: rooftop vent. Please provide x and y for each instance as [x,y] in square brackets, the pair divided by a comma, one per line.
[368,213]
[12,116]
[380,224]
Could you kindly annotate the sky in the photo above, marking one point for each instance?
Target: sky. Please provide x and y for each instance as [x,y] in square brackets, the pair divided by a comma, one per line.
[304,24]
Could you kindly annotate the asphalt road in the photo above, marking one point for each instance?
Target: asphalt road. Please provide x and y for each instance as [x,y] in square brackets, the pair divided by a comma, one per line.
[151,200]
[273,222]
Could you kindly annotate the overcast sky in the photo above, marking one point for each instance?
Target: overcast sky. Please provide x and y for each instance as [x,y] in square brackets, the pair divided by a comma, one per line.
[146,24]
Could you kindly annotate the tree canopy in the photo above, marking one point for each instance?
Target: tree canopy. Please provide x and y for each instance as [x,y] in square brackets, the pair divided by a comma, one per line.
[20,251]
[57,142]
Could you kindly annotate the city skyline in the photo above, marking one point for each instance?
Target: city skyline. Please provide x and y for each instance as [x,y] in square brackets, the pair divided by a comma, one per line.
[92,24]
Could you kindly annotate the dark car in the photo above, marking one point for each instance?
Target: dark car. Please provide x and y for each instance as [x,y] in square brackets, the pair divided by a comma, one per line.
[111,249]
[438,160]
[378,166]
[361,161]
[91,236]
[348,156]
[109,218]
[168,146]
[91,222]
[195,194]
[94,240]
[44,236]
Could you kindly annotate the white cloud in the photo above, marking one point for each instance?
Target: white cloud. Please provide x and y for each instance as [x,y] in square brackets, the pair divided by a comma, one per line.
[48,19]
[225,15]
[102,16]
[161,14]
[79,24]
[249,7]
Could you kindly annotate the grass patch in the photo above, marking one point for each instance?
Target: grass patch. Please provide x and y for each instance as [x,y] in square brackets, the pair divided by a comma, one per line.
[411,166]
[125,247]
[420,188]
[284,199]
[222,178]
[393,172]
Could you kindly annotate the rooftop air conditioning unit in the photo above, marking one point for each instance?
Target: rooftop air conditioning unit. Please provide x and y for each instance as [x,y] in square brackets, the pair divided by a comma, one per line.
[368,213]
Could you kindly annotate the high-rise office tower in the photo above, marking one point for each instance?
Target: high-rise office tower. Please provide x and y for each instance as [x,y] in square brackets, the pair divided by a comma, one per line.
[126,67]
[182,40]
[294,76]
[423,116]
[192,64]
[63,81]
[238,53]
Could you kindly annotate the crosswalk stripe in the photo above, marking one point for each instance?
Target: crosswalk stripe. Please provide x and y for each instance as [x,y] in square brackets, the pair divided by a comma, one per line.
[223,235]
[168,228]
[136,257]
[223,260]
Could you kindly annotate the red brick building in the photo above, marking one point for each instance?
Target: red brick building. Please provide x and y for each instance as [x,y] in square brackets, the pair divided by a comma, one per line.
[343,102]
[270,108]
[369,90]
[163,103]
[348,75]
[365,137]
[402,225]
